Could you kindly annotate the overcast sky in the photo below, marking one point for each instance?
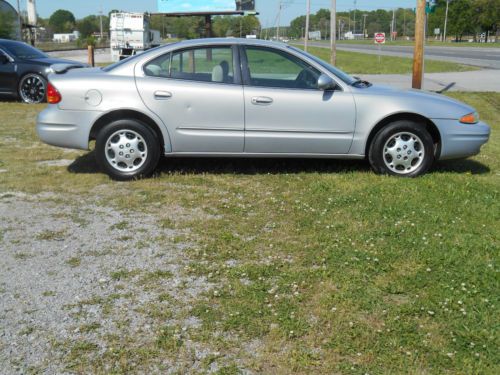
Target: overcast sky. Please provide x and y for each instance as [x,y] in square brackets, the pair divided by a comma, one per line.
[268,8]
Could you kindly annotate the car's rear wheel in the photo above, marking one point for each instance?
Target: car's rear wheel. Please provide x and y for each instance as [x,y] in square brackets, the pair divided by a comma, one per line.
[402,148]
[32,89]
[127,149]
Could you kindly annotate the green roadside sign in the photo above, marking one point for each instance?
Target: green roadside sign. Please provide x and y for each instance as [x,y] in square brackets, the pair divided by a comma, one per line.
[430,6]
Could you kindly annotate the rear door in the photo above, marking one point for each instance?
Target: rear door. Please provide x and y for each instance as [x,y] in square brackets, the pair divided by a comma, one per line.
[197,92]
[8,76]
[285,112]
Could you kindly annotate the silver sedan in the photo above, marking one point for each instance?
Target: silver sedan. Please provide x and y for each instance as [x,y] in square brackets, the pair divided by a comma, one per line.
[248,98]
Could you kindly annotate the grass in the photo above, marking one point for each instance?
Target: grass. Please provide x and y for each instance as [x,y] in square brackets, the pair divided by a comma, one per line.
[318,266]
[362,63]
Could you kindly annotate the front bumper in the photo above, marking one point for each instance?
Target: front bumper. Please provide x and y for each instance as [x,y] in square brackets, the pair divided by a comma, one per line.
[461,140]
[62,128]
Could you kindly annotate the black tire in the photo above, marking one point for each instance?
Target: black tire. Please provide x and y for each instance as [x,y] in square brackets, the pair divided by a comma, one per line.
[139,142]
[408,161]
[32,89]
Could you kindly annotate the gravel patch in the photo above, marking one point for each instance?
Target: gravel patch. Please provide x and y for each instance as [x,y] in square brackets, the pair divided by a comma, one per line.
[55,163]
[83,273]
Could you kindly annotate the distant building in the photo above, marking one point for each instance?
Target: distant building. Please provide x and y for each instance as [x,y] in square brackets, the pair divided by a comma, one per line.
[9,22]
[315,35]
[66,38]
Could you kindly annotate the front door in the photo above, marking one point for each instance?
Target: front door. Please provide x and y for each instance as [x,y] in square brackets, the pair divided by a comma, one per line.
[8,76]
[285,112]
[198,96]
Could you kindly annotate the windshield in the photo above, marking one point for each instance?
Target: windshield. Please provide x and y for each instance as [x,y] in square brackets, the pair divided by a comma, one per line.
[24,51]
[339,73]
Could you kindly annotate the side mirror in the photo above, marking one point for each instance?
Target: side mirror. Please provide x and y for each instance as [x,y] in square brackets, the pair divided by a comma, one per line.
[326,83]
[4,59]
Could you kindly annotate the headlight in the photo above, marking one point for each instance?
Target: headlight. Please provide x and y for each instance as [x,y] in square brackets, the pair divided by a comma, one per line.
[471,118]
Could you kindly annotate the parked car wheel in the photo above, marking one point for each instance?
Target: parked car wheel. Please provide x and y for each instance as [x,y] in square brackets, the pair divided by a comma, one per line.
[127,149]
[402,148]
[33,88]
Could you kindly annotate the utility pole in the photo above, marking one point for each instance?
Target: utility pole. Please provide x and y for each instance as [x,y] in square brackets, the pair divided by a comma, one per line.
[333,33]
[308,15]
[393,23]
[279,20]
[418,55]
[446,20]
[355,9]
[100,19]
[404,23]
[364,25]
[20,20]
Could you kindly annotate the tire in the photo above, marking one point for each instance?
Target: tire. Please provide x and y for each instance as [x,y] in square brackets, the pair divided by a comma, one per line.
[402,148]
[32,89]
[127,150]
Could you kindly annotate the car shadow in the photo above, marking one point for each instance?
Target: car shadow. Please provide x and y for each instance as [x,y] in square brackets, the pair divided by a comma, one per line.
[460,166]
[86,164]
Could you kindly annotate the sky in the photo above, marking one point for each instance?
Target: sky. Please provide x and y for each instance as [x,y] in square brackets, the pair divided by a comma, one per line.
[268,9]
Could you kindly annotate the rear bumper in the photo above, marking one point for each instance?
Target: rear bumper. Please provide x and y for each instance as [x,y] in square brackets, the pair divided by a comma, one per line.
[461,140]
[69,129]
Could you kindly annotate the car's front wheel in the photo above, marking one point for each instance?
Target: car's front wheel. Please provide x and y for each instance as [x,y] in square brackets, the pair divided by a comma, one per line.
[127,149]
[402,148]
[32,89]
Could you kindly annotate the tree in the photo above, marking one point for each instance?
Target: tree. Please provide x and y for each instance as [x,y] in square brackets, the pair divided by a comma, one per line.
[234,26]
[7,25]
[460,18]
[250,25]
[488,15]
[62,21]
[90,24]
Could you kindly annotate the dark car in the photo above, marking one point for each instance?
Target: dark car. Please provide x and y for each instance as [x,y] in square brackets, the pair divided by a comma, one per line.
[24,70]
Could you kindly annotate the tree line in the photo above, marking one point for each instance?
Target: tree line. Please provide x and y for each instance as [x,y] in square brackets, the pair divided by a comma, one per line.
[465,17]
[64,21]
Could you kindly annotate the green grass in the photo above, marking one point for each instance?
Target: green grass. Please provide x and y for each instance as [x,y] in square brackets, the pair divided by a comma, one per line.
[362,63]
[318,267]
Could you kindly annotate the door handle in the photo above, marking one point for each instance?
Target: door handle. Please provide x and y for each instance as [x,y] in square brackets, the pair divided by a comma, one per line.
[261,100]
[162,95]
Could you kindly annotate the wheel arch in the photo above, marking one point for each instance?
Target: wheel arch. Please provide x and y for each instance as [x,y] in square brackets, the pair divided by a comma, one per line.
[121,114]
[429,125]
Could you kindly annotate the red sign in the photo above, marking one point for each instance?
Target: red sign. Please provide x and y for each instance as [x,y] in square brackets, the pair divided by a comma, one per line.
[380,38]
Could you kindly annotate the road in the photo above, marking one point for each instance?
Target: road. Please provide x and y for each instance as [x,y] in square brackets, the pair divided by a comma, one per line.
[101,55]
[478,56]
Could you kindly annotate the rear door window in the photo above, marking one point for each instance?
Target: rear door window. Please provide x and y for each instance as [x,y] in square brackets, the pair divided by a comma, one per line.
[200,64]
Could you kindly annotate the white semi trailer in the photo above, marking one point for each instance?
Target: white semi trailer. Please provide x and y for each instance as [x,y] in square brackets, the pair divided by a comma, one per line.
[130,34]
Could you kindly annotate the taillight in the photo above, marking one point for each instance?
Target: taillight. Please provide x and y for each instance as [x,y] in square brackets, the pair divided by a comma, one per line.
[53,96]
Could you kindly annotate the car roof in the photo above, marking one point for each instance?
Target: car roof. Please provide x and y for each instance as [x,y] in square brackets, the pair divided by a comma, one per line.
[240,41]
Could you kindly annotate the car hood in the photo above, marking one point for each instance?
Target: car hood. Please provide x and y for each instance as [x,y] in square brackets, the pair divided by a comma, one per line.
[430,104]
